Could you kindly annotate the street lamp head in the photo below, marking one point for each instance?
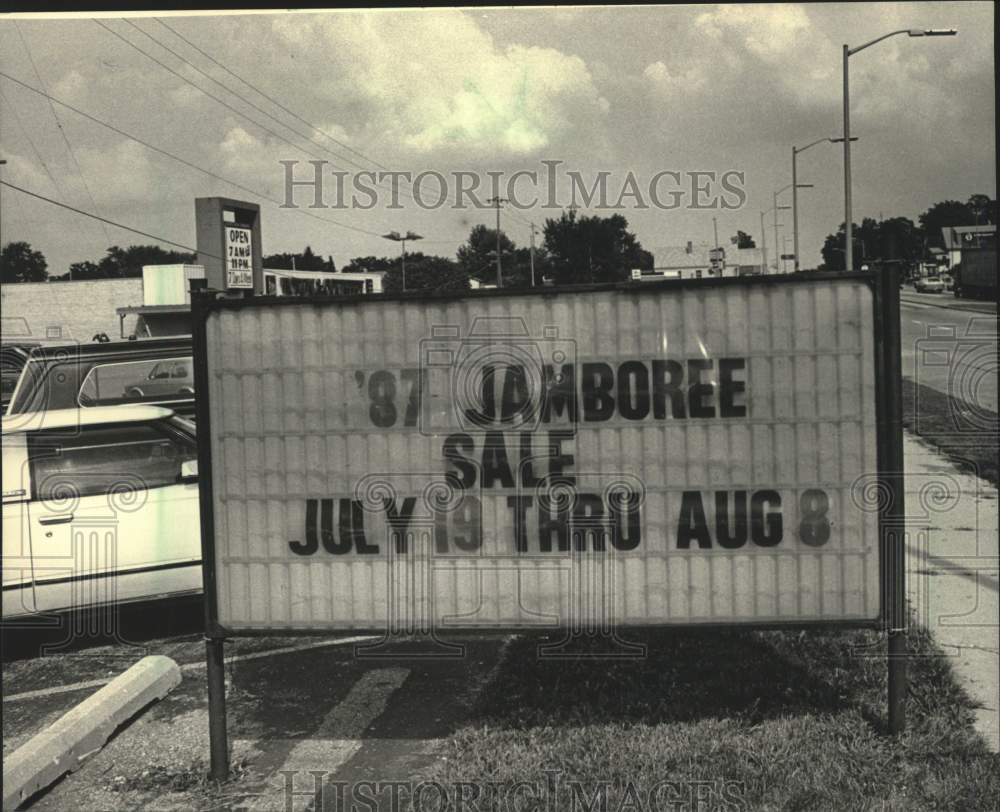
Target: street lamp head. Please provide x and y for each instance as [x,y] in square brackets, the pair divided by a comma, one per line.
[393,235]
[411,236]
[932,32]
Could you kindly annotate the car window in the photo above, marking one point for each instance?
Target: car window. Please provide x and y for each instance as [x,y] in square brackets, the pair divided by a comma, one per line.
[107,459]
[136,382]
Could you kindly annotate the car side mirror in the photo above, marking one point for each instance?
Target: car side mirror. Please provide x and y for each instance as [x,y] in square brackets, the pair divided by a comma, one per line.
[189,471]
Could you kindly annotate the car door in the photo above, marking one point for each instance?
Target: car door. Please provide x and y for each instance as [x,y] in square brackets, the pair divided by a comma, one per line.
[18,594]
[111,519]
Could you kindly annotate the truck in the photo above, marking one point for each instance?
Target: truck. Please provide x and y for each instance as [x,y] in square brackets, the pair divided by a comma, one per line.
[976,274]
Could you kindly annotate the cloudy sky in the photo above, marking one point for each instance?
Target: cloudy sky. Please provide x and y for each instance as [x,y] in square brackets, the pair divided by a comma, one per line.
[640,90]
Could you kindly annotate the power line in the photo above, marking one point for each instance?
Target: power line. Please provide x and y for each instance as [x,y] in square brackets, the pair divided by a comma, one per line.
[230,91]
[62,132]
[103,219]
[271,99]
[31,143]
[187,163]
[216,99]
[242,98]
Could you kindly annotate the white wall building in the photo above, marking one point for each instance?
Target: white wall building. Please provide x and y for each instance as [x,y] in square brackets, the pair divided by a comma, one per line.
[700,260]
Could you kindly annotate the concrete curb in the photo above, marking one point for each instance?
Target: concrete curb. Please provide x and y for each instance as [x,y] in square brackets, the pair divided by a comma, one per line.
[83,730]
[973,305]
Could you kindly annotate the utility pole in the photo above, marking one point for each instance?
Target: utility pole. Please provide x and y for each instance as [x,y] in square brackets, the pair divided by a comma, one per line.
[715,231]
[497,201]
[532,255]
[763,244]
[777,251]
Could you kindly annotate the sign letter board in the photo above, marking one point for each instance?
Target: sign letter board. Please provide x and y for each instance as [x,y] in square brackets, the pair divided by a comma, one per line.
[677,453]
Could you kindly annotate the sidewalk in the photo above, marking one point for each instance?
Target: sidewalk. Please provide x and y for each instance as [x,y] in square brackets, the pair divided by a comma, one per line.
[952,572]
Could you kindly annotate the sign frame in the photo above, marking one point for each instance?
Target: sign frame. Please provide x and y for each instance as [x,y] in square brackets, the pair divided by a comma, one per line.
[884,285]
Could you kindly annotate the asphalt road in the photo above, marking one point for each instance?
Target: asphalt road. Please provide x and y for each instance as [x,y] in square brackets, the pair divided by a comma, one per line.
[951,345]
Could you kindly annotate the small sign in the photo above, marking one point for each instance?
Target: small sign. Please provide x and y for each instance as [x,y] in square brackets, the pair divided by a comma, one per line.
[636,274]
[239,257]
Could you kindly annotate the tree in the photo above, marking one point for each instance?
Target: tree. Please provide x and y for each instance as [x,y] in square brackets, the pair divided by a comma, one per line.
[120,263]
[894,240]
[478,256]
[78,271]
[426,274]
[593,249]
[943,215]
[369,264]
[18,263]
[899,239]
[984,210]
[306,261]
[744,240]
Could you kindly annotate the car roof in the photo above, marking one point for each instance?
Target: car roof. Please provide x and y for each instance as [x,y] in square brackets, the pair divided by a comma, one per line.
[96,349]
[73,418]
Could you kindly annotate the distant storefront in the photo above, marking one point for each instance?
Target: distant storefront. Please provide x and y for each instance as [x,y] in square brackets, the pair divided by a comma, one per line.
[958,237]
[697,261]
[166,294]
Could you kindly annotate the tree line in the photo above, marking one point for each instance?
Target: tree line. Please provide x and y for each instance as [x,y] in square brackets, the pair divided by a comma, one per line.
[573,250]
[899,239]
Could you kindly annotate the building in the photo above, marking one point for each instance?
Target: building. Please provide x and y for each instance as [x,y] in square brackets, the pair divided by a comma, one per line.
[697,261]
[166,294]
[69,311]
[308,283]
[958,237]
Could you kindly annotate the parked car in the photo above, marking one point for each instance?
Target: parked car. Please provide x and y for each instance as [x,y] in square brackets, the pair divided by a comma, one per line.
[100,506]
[171,377]
[107,374]
[929,284]
[13,357]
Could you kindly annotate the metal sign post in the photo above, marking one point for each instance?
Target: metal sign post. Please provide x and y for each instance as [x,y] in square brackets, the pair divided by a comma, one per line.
[892,521]
[201,301]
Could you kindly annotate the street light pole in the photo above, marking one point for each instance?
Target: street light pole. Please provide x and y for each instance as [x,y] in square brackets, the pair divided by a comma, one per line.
[848,222]
[395,236]
[777,251]
[795,193]
[849,52]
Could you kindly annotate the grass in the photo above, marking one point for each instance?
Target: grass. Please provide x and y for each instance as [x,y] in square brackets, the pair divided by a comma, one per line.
[953,427]
[785,720]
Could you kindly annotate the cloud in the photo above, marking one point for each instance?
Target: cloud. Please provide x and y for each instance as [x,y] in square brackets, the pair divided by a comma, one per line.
[769,32]
[660,77]
[69,87]
[435,81]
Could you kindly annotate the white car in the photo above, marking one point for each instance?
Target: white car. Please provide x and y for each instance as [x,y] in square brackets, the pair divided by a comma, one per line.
[100,507]
[929,284]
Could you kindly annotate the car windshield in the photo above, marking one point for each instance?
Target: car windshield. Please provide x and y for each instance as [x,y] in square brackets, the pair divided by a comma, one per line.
[185,424]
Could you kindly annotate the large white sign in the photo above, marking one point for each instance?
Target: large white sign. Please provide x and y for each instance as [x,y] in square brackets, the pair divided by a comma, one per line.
[646,455]
[239,257]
